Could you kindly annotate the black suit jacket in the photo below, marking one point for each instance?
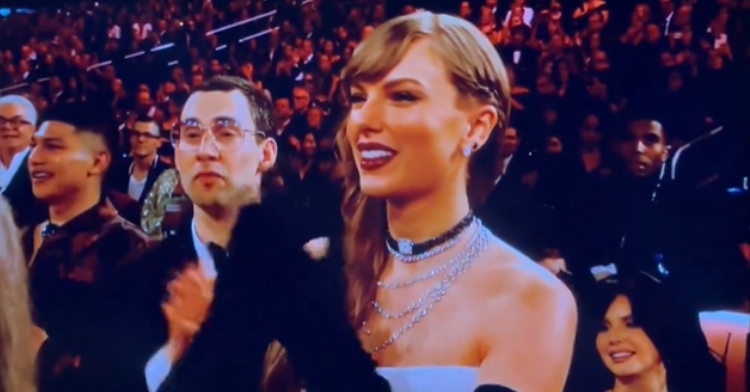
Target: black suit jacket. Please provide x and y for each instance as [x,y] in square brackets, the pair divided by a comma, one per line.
[266,292]
[527,63]
[512,214]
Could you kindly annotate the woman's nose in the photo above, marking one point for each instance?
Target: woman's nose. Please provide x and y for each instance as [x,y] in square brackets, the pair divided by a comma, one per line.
[368,116]
[615,336]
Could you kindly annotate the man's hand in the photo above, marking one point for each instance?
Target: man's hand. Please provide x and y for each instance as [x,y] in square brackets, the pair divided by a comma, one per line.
[190,298]
[317,248]
[294,142]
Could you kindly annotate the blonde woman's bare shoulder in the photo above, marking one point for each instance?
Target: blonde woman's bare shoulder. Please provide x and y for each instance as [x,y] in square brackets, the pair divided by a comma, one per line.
[505,272]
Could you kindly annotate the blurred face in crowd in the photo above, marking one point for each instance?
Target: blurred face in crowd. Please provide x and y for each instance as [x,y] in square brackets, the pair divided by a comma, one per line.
[545,85]
[309,145]
[218,156]
[675,81]
[16,126]
[643,148]
[407,129]
[324,62]
[283,109]
[510,142]
[653,33]
[216,68]
[144,98]
[173,108]
[64,162]
[55,83]
[596,24]
[465,10]
[666,6]
[554,145]
[642,12]
[486,18]
[197,80]
[343,33]
[169,88]
[624,347]
[550,116]
[667,60]
[315,118]
[589,133]
[301,99]
[247,71]
[116,86]
[600,62]
[307,47]
[687,36]
[144,139]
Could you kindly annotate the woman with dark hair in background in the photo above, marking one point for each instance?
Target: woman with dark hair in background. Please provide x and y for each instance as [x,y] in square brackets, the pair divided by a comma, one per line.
[19,341]
[652,343]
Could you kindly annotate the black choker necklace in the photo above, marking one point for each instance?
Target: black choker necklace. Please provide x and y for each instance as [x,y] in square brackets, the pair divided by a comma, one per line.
[409,248]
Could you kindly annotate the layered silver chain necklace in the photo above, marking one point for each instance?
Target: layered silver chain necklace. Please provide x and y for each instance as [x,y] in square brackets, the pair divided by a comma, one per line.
[418,309]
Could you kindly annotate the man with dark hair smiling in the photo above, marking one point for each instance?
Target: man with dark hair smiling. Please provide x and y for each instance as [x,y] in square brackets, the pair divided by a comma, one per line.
[242,280]
[76,255]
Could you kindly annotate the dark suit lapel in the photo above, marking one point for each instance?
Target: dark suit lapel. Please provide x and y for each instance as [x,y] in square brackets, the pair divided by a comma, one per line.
[21,178]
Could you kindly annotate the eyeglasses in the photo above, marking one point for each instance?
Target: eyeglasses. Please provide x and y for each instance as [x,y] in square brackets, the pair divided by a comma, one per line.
[15,122]
[227,134]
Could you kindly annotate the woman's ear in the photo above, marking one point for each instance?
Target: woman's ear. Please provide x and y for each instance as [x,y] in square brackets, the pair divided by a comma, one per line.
[480,129]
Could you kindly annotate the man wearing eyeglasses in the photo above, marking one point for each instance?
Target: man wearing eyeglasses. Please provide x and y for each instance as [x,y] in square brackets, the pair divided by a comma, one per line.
[17,124]
[139,171]
[241,281]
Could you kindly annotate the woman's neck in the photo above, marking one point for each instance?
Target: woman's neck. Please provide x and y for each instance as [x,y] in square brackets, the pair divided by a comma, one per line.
[652,381]
[418,221]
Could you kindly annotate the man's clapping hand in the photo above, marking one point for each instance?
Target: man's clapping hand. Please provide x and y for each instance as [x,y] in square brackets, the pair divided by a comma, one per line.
[190,298]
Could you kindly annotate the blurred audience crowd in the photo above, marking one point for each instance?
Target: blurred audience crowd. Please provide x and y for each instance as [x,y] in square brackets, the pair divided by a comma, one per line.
[605,94]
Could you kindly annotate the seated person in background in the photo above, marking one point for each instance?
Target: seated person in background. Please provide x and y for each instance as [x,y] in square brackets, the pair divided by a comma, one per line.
[137,174]
[638,219]
[650,342]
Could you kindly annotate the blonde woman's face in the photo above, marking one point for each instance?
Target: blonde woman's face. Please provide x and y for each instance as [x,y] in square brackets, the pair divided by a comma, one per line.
[624,347]
[406,130]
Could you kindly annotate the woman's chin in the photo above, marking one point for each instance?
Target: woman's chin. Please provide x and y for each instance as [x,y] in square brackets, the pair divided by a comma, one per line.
[372,186]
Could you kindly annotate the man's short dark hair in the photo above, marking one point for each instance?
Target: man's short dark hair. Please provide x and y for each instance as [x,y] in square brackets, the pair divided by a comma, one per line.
[261,107]
[86,117]
[639,112]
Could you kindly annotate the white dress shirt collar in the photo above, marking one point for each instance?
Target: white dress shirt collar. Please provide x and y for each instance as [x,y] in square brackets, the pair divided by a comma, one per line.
[205,259]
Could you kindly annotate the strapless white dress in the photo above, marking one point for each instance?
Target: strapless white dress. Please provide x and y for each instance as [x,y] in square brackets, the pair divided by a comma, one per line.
[431,378]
